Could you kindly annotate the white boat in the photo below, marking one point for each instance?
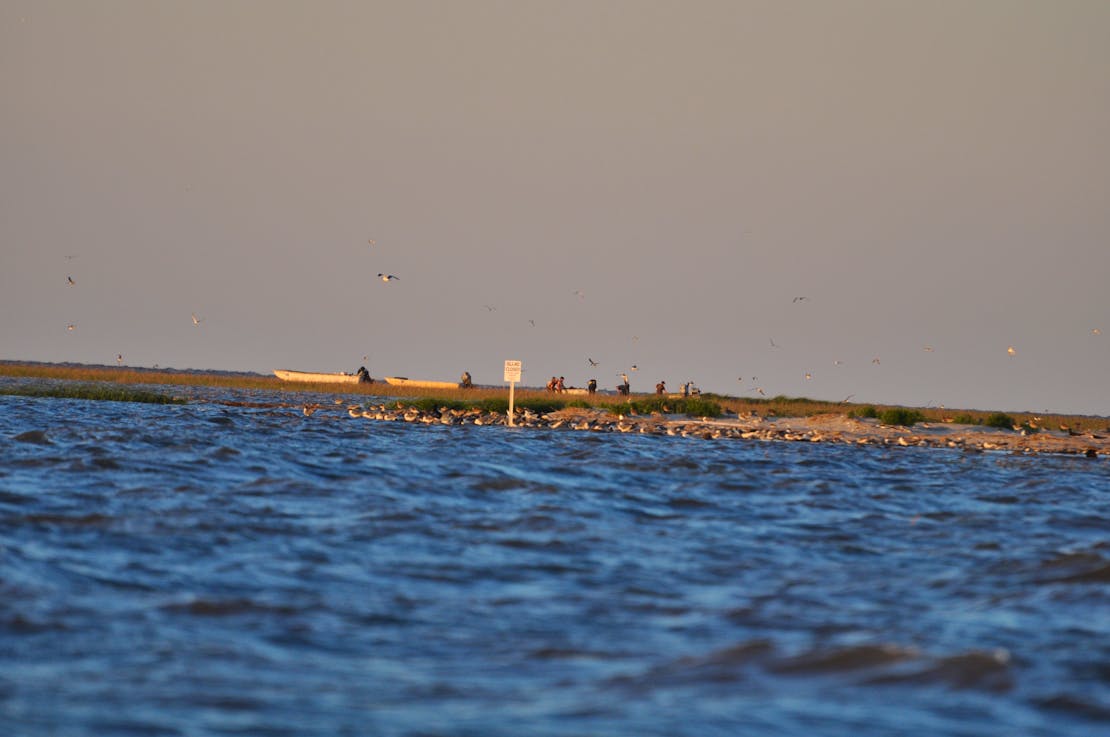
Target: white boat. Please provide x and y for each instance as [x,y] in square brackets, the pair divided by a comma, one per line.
[316,378]
[420,383]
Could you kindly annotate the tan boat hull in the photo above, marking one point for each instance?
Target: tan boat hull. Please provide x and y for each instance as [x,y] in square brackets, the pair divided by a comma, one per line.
[316,378]
[420,384]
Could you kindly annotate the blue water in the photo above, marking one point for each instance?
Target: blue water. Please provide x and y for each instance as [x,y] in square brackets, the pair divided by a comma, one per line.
[241,569]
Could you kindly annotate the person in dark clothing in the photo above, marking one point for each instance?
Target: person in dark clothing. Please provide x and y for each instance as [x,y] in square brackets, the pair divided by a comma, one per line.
[661,387]
[465,381]
[591,387]
[364,376]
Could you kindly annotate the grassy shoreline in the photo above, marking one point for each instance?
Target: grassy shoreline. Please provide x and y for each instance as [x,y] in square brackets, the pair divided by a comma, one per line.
[537,399]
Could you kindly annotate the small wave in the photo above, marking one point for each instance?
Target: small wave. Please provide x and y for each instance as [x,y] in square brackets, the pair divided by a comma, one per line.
[727,665]
[1075,568]
[987,670]
[1075,706]
[37,437]
[84,520]
[851,658]
[228,607]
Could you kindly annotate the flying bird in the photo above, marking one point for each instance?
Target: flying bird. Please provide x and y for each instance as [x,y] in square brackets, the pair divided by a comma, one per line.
[372,242]
[1012,351]
[634,368]
[532,323]
[387,277]
[801,299]
[875,360]
[773,344]
[592,362]
[808,376]
[491,308]
[71,327]
[197,320]
[69,280]
[927,349]
[580,294]
[1096,331]
[119,359]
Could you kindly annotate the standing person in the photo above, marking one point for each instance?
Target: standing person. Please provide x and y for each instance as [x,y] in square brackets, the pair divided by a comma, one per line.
[364,376]
[560,385]
[624,388]
[465,382]
[661,387]
[591,388]
[551,384]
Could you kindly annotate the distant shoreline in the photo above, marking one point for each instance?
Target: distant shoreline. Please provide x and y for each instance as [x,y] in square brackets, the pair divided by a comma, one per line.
[776,419]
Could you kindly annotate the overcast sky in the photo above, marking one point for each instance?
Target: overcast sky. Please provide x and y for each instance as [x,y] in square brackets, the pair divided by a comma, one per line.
[648,184]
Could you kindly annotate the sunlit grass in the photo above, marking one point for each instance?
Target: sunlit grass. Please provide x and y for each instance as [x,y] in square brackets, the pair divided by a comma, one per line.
[101,392]
[540,400]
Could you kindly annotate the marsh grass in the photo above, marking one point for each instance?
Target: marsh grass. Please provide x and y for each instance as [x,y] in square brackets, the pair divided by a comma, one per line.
[99,392]
[539,400]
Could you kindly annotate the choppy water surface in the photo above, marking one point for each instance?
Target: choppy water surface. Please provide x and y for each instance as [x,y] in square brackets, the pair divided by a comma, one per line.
[211,569]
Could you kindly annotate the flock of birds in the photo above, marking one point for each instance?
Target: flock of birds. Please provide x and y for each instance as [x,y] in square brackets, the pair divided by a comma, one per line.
[71,327]
[580,294]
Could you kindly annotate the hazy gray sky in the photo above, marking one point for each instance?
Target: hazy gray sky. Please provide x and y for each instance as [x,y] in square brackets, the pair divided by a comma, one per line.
[929,175]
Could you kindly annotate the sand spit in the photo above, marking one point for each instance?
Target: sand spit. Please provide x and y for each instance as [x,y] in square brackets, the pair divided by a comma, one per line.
[827,428]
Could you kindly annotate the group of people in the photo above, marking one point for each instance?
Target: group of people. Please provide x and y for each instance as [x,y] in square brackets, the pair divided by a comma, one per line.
[558,385]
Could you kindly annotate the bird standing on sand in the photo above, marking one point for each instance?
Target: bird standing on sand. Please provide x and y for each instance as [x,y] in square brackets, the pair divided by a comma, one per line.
[387,277]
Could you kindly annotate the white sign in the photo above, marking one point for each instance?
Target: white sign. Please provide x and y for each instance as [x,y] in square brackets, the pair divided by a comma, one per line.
[512,371]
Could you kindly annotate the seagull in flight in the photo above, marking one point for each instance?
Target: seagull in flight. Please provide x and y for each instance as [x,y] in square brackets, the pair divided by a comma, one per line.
[197,320]
[1012,351]
[634,368]
[69,281]
[580,294]
[119,359]
[592,362]
[532,323]
[372,242]
[71,327]
[801,299]
[875,360]
[1096,331]
[387,277]
[773,343]
[491,308]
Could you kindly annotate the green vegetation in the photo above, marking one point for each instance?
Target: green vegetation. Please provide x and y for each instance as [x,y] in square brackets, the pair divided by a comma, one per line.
[1000,420]
[900,416]
[867,411]
[92,391]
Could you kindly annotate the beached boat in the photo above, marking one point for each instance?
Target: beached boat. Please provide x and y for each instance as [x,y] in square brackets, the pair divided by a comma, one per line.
[419,383]
[316,378]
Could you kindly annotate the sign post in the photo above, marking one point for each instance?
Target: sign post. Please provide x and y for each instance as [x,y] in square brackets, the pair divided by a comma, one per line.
[512,375]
